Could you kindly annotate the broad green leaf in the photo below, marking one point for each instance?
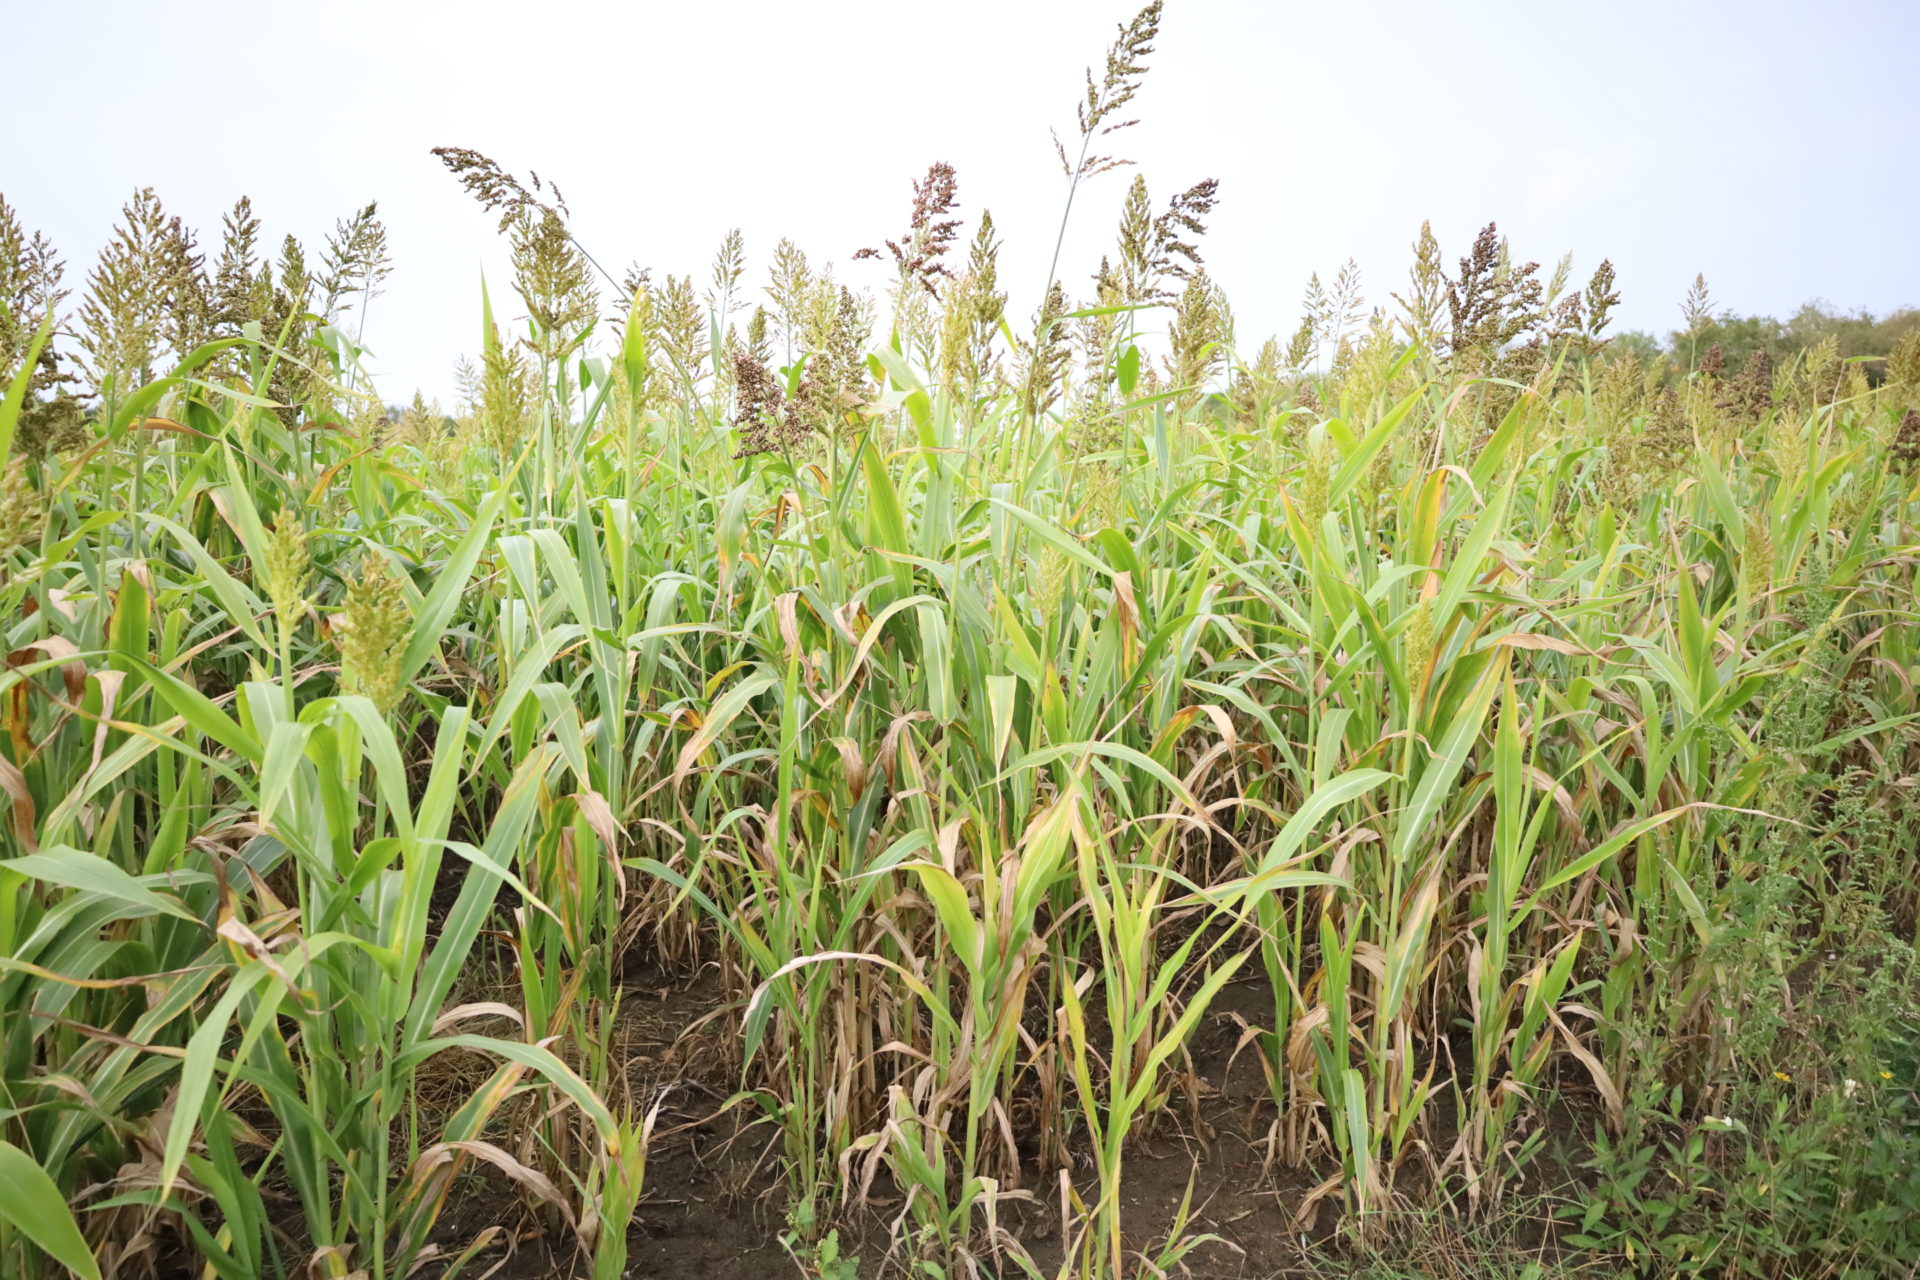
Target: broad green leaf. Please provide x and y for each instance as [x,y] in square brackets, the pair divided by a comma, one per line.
[33,1204]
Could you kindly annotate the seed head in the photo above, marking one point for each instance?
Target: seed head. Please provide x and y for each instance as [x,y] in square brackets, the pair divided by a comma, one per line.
[1617,393]
[288,569]
[1492,302]
[1750,393]
[552,278]
[1698,307]
[1906,441]
[1821,375]
[762,415]
[1713,363]
[31,275]
[681,335]
[23,509]
[375,628]
[1756,556]
[759,342]
[930,232]
[1425,295]
[147,297]
[508,392]
[1202,326]
[1316,479]
[729,263]
[1602,298]
[1903,365]
[1668,439]
[1308,399]
[1419,641]
[1126,70]
[1300,348]
[355,261]
[497,190]
[1044,364]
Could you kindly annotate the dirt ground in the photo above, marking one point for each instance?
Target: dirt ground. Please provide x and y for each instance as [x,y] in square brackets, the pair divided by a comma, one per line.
[713,1205]
[714,1199]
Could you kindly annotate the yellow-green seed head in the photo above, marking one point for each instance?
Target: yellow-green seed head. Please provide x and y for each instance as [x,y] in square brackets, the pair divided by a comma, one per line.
[23,509]
[288,568]
[375,628]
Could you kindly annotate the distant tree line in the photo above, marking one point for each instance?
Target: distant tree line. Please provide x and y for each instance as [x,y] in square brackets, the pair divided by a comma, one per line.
[1858,335]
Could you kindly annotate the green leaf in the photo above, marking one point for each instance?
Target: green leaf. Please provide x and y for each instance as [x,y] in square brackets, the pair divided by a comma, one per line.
[450,584]
[1326,797]
[33,1204]
[1609,847]
[199,711]
[90,873]
[17,390]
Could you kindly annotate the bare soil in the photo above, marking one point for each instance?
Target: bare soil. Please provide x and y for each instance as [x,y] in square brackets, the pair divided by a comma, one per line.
[715,1201]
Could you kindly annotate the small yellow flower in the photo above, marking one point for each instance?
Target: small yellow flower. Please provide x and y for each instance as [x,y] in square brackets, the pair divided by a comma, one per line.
[1783,1077]
[1886,1075]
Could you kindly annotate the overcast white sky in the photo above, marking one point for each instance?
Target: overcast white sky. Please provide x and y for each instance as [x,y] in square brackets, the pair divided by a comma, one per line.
[1773,146]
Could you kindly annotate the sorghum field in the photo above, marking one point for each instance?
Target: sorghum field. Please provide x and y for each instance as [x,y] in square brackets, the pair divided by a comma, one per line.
[780,779]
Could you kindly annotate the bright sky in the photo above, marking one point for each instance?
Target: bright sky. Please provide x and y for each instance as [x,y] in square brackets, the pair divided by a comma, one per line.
[1770,145]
